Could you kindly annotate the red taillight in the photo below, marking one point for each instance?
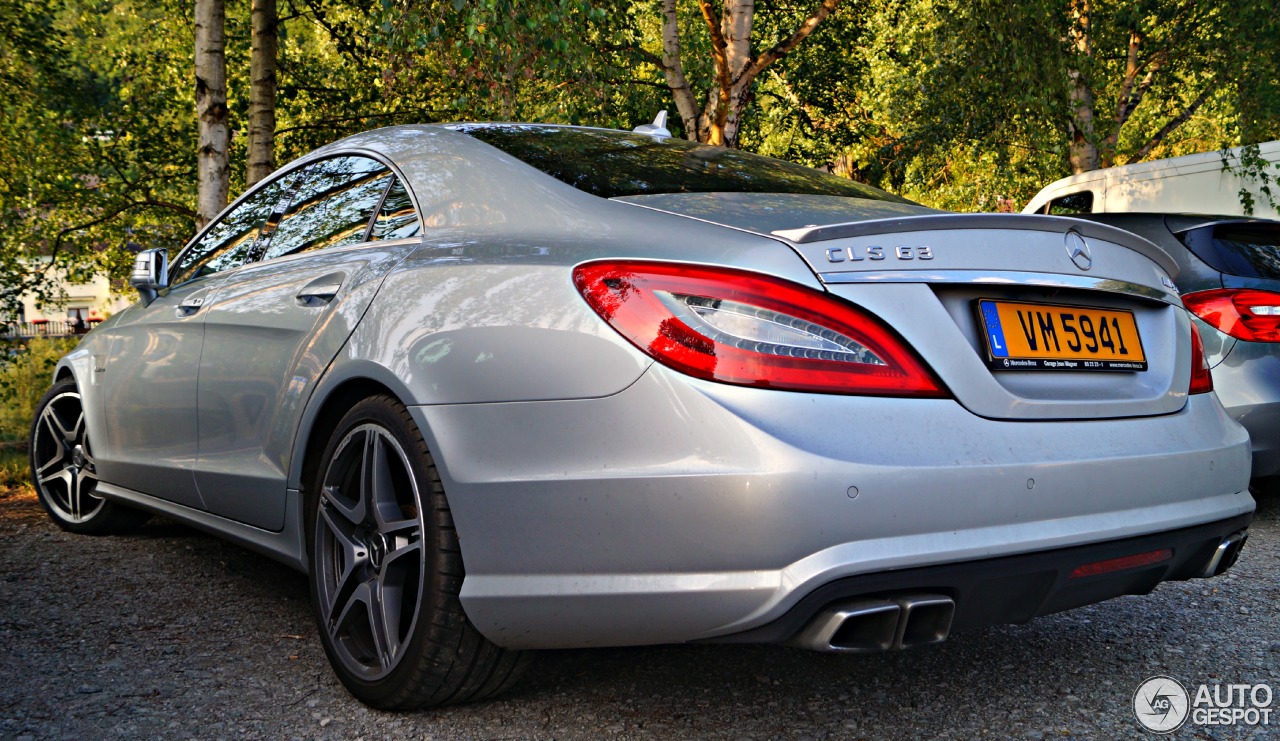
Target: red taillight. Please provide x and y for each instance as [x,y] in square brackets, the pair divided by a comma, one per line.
[1201,378]
[752,330]
[1243,313]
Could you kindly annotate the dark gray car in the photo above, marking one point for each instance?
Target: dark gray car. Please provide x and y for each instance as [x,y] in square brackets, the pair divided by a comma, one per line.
[1229,275]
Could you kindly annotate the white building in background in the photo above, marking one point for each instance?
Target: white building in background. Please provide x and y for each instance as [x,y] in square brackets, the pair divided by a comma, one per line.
[93,300]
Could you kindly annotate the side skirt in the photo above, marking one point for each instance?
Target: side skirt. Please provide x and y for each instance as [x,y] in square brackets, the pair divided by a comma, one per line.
[288,546]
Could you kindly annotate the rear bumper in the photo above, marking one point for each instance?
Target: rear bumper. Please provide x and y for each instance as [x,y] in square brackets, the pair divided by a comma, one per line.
[679,510]
[1018,588]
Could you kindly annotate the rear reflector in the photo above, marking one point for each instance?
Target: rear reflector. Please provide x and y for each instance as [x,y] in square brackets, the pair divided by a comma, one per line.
[1201,378]
[1120,564]
[748,329]
[1244,313]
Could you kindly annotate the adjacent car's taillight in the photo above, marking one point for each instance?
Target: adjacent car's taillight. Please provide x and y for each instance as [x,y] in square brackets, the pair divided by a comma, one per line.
[1201,378]
[753,330]
[1243,313]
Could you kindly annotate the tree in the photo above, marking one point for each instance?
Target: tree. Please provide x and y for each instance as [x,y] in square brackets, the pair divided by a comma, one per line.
[213,161]
[95,141]
[735,66]
[262,92]
[1116,80]
[963,104]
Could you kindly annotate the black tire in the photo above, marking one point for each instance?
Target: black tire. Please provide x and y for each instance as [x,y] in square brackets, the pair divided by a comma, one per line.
[63,470]
[406,540]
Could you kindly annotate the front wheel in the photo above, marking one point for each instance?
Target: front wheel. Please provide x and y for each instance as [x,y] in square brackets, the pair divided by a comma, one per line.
[64,472]
[386,570]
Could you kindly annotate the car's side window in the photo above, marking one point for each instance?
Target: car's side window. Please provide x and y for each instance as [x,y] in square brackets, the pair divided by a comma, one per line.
[396,218]
[332,206]
[231,242]
[1075,203]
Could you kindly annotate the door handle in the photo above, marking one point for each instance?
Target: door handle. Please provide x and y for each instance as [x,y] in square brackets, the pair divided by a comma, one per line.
[318,293]
[190,305]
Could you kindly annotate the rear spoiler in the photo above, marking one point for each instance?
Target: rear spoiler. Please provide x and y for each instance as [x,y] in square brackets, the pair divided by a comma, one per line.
[1034,222]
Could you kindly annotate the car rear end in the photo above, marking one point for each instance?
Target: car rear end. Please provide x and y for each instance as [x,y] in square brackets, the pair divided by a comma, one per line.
[1228,270]
[1045,439]
[1239,312]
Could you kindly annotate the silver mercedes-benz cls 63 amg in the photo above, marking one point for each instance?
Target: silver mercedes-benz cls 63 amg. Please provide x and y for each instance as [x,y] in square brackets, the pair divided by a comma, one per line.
[501,387]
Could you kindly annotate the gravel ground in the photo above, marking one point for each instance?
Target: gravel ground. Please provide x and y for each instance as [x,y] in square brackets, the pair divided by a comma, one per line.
[174,634]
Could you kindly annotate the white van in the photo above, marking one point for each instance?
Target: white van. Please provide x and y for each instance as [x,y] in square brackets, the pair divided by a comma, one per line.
[1195,183]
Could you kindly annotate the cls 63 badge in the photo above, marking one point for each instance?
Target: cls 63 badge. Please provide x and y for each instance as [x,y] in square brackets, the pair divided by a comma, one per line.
[876,252]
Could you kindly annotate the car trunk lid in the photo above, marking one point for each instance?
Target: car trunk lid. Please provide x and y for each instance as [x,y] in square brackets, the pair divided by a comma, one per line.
[932,275]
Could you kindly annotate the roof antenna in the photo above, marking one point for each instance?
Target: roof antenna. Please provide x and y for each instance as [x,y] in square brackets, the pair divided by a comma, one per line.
[657,129]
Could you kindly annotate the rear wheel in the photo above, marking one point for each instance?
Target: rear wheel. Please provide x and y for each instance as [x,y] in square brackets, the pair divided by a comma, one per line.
[64,471]
[386,570]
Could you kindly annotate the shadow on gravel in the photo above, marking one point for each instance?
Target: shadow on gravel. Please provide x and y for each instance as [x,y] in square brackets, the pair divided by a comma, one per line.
[1268,505]
[163,527]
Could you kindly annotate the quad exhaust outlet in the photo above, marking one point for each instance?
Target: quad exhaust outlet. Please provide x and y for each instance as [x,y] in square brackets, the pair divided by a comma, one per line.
[879,624]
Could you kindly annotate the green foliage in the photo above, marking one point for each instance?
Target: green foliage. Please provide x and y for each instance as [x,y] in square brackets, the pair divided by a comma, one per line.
[15,471]
[1252,168]
[537,60]
[25,374]
[96,141]
[956,103]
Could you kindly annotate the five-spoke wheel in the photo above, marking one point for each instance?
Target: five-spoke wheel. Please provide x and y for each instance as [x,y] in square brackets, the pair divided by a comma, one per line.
[369,554]
[386,570]
[63,469]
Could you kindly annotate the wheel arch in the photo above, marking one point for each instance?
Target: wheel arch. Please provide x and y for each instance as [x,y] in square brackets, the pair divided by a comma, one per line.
[339,390]
[76,365]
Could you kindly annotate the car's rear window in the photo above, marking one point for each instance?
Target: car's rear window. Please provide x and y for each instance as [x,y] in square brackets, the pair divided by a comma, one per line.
[613,164]
[1249,250]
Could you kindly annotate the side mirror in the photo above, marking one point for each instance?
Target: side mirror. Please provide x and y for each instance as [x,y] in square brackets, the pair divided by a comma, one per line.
[150,273]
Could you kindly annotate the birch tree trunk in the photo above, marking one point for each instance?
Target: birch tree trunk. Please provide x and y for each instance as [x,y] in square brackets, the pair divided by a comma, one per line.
[262,91]
[1083,151]
[735,66]
[211,110]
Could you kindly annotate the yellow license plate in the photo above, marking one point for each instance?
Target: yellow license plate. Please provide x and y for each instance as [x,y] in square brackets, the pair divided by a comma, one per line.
[1027,336]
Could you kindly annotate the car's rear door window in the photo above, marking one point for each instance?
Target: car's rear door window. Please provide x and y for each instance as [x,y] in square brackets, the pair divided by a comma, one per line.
[1244,250]
[334,203]
[397,218]
[233,240]
[1251,251]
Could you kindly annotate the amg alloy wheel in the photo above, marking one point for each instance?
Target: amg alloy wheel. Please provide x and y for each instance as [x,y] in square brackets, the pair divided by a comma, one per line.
[386,570]
[63,469]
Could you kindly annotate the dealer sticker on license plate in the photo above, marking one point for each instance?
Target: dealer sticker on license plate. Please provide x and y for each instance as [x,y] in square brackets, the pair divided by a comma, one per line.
[1027,336]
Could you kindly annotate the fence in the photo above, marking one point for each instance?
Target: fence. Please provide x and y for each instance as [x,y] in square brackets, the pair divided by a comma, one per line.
[41,328]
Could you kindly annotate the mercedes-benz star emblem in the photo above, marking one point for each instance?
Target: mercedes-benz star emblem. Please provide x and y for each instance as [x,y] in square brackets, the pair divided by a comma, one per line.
[1078,251]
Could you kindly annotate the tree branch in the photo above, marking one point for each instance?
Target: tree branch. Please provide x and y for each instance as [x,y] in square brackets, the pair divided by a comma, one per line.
[718,104]
[1174,123]
[1155,63]
[780,50]
[1130,75]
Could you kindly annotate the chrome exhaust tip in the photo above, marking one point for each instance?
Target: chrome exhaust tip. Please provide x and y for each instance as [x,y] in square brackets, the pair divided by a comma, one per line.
[858,626]
[925,620]
[874,625]
[1225,555]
